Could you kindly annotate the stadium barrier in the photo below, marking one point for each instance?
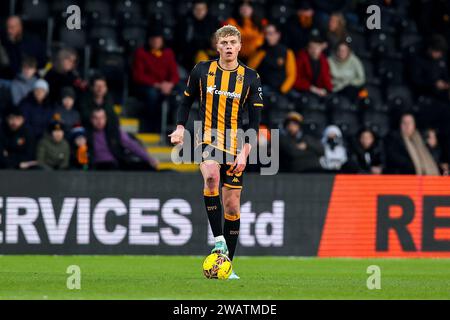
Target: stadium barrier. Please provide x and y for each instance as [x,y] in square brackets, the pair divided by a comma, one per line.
[162,213]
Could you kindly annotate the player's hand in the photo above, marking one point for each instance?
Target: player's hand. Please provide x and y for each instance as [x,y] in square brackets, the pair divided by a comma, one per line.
[240,163]
[177,136]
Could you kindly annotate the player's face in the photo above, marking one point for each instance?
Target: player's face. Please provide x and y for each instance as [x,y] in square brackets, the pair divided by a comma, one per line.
[228,48]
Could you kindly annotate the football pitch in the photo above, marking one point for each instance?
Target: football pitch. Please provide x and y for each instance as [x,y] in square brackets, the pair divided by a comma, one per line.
[180,277]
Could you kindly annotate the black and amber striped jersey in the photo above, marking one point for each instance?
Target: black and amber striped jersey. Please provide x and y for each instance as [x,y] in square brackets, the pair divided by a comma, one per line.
[223,96]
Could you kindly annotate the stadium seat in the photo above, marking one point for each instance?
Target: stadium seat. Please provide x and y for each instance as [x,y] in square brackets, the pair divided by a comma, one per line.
[58,12]
[133,37]
[183,8]
[59,7]
[127,11]
[371,75]
[73,38]
[375,101]
[221,10]
[309,102]
[357,41]
[347,121]
[314,122]
[35,10]
[280,13]
[340,103]
[399,98]
[275,118]
[162,12]
[410,43]
[382,43]
[113,67]
[378,122]
[104,38]
[97,10]
[391,71]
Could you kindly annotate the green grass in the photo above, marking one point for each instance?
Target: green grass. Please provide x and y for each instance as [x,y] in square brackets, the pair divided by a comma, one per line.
[162,277]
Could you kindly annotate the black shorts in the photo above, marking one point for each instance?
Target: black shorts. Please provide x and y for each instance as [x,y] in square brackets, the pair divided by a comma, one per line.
[225,161]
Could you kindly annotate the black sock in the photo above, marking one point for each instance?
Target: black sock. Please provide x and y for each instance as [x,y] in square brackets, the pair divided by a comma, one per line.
[214,211]
[231,233]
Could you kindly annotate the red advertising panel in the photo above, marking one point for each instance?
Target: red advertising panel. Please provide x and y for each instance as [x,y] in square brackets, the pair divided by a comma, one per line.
[387,216]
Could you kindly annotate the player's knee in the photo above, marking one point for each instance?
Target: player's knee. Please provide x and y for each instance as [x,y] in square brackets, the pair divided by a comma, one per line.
[212,181]
[231,208]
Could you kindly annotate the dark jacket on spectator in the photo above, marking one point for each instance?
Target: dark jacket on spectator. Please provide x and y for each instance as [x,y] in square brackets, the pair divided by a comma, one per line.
[294,160]
[398,160]
[296,36]
[426,72]
[330,7]
[366,159]
[37,116]
[69,118]
[305,74]
[87,104]
[276,66]
[194,35]
[151,67]
[16,146]
[28,46]
[57,81]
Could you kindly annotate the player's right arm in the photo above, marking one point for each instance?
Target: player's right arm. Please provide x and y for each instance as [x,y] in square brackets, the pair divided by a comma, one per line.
[190,94]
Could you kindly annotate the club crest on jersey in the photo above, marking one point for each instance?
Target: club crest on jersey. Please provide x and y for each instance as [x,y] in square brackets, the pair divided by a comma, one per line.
[239,78]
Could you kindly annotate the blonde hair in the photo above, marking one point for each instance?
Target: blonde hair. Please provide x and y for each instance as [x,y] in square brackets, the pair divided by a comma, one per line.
[226,31]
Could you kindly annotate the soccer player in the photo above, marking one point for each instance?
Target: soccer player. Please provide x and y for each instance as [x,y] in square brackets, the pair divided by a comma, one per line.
[224,87]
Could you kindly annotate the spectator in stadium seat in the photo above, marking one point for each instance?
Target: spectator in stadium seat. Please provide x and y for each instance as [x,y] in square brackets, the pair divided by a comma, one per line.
[313,70]
[108,146]
[251,28]
[437,152]
[79,148]
[298,28]
[18,44]
[17,143]
[23,83]
[347,72]
[337,30]
[367,153]
[194,33]
[407,153]
[65,111]
[37,109]
[155,73]
[209,53]
[53,151]
[335,156]
[64,74]
[299,152]
[430,77]
[325,8]
[430,73]
[4,62]
[97,97]
[274,62]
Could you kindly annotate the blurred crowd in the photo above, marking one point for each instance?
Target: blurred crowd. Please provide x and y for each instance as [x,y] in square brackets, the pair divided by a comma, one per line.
[346,99]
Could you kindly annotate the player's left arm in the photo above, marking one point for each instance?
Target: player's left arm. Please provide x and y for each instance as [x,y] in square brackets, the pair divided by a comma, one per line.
[255,105]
